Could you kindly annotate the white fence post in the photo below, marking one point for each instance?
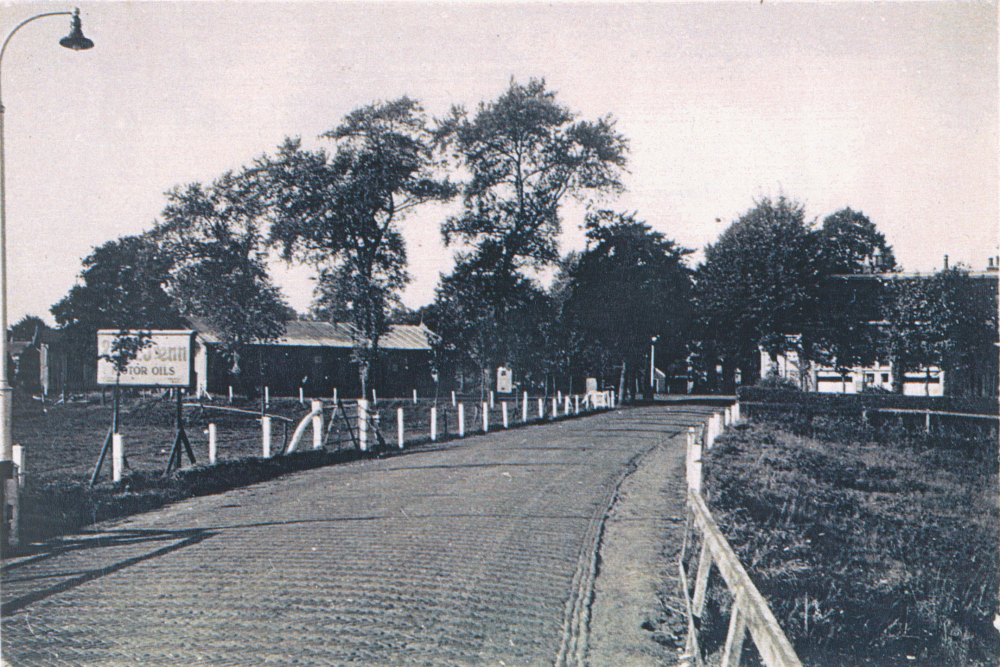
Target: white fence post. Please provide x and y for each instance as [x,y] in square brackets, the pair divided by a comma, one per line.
[576,404]
[414,396]
[736,412]
[335,396]
[693,462]
[566,405]
[374,397]
[486,417]
[317,407]
[17,455]
[117,457]
[399,427]
[302,396]
[265,436]
[452,399]
[230,394]
[541,408]
[555,407]
[461,420]
[363,424]
[434,424]
[524,408]
[503,406]
[267,396]
[213,446]
[492,404]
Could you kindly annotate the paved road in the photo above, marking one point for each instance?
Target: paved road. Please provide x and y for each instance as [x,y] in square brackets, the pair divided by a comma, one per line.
[482,551]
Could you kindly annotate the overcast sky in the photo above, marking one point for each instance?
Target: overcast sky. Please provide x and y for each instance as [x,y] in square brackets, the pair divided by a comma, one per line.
[890,109]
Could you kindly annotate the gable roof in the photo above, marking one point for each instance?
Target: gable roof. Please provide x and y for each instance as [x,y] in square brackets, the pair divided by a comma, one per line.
[306,333]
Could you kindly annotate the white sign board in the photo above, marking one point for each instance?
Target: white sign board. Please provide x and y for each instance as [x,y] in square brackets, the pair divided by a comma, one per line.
[164,362]
[505,380]
[591,385]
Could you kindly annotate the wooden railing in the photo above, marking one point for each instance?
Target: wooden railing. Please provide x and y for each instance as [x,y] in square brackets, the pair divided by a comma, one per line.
[749,610]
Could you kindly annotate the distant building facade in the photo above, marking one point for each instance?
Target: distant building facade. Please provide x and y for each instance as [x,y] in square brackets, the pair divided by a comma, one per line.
[316,357]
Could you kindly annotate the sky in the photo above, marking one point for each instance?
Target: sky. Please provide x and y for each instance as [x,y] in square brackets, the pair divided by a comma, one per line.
[889,108]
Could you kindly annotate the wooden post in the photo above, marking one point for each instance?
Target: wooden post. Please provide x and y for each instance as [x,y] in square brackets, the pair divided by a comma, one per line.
[927,422]
[317,424]
[737,632]
[399,427]
[414,396]
[566,405]
[524,408]
[434,424]
[212,445]
[541,408]
[492,404]
[453,399]
[374,397]
[576,404]
[117,455]
[486,417]
[693,462]
[503,406]
[302,397]
[555,407]
[265,436]
[335,396]
[363,424]
[736,412]
[230,394]
[461,420]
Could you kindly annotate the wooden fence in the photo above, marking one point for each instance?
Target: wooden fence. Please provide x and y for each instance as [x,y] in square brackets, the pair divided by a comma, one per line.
[749,611]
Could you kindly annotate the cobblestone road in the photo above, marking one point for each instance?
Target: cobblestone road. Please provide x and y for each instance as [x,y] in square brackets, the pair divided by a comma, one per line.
[482,551]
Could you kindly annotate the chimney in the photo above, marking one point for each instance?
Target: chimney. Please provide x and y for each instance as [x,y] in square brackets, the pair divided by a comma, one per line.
[994,264]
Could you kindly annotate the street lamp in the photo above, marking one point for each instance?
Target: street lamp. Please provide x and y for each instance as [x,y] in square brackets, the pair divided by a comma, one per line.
[76,41]
[652,366]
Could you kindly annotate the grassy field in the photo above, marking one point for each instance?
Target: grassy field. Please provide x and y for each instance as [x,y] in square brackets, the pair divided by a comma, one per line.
[873,547]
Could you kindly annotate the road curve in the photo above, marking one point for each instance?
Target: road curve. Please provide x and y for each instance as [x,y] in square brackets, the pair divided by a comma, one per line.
[479,552]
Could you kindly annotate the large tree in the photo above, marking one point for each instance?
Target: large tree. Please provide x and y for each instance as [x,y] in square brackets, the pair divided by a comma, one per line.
[525,153]
[630,285]
[121,287]
[341,213]
[215,239]
[759,288]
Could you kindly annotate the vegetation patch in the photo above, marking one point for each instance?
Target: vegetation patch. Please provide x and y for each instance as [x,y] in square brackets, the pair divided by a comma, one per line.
[872,547]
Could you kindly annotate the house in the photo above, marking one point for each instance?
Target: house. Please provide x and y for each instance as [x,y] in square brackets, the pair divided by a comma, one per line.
[316,357]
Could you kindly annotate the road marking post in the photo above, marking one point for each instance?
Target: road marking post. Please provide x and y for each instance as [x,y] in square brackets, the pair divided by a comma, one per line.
[212,445]
[363,424]
[317,424]
[117,457]
[265,436]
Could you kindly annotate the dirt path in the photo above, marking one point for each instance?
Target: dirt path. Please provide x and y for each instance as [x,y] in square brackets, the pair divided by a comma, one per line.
[482,552]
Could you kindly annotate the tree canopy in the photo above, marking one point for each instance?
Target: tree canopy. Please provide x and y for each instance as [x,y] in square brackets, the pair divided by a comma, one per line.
[341,212]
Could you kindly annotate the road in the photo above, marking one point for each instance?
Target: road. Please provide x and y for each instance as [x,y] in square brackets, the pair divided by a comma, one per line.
[508,548]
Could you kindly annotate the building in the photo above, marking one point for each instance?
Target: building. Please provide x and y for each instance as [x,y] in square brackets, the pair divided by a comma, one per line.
[316,357]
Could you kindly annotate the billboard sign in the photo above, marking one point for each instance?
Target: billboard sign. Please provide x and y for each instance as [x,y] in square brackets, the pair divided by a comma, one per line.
[164,362]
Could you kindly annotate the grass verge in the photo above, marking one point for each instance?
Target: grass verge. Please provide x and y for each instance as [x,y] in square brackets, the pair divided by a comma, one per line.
[872,547]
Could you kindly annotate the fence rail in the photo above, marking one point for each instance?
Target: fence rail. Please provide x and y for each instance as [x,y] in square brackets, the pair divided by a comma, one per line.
[749,611]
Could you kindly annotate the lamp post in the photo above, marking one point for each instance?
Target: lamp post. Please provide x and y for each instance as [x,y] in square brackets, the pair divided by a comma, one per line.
[652,366]
[76,41]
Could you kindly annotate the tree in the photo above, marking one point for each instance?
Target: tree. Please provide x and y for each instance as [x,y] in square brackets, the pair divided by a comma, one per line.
[341,213]
[846,330]
[758,288]
[525,153]
[947,319]
[214,238]
[28,328]
[122,288]
[631,285]
[483,322]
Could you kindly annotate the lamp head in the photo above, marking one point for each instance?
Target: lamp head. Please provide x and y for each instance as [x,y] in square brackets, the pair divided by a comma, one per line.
[75,40]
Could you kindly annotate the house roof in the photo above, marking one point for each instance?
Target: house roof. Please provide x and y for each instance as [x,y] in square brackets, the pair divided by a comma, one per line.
[305,333]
